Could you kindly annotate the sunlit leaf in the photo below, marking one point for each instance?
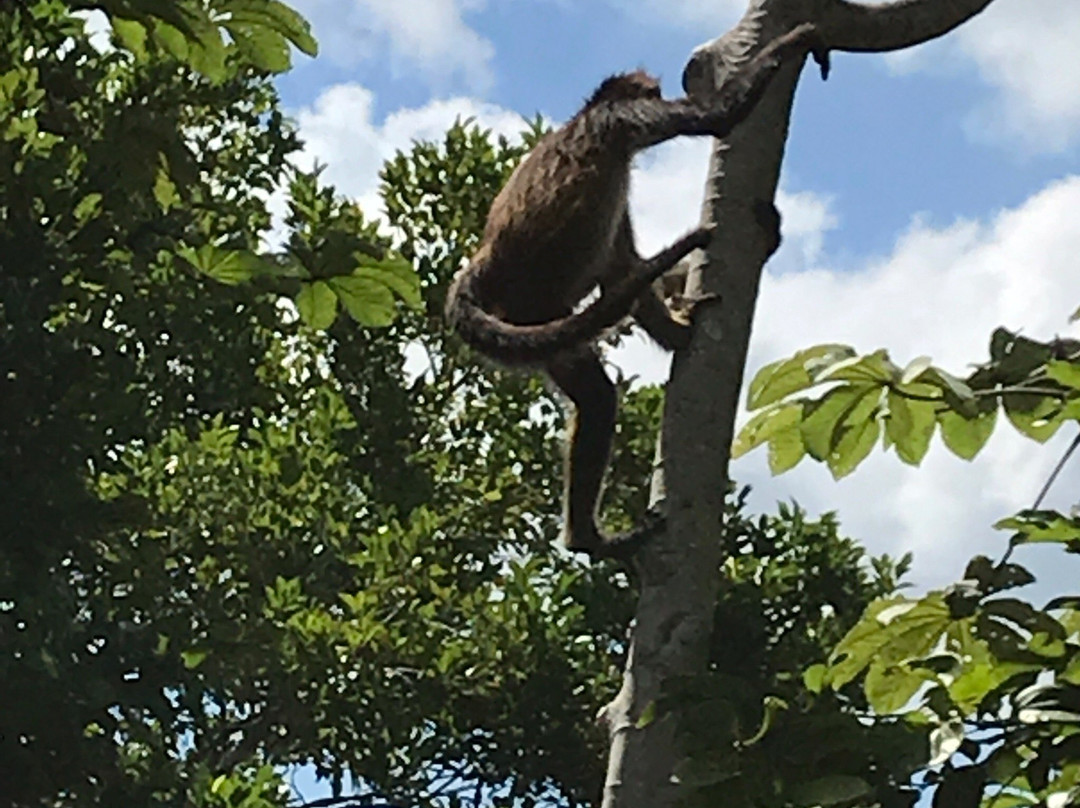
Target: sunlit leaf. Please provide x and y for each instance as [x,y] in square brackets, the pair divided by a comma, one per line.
[965,437]
[395,273]
[368,301]
[910,427]
[317,305]
[764,426]
[854,447]
[780,379]
[193,657]
[1065,373]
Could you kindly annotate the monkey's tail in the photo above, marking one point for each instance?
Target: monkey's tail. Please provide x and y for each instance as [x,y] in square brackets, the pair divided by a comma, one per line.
[514,344]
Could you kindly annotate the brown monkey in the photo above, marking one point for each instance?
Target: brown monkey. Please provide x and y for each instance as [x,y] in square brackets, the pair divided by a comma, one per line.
[560,228]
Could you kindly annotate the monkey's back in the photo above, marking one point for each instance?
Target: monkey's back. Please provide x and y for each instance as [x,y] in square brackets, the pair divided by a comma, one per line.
[551,231]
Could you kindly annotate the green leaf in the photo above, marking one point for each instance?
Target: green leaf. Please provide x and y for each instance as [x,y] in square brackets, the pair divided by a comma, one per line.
[395,273]
[822,424]
[915,368]
[890,687]
[814,677]
[1065,373]
[172,40]
[764,426]
[188,33]
[853,448]
[965,437]
[957,393]
[264,49]
[1035,416]
[1049,702]
[786,449]
[369,302]
[648,715]
[780,379]
[976,681]
[773,706]
[874,368]
[276,16]
[317,305]
[165,190]
[836,789]
[132,35]
[1037,527]
[1025,615]
[910,427]
[1021,358]
[89,207]
[193,657]
[226,266]
[889,633]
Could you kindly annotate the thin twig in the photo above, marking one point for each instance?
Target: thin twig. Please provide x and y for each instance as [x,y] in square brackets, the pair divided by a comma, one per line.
[1057,470]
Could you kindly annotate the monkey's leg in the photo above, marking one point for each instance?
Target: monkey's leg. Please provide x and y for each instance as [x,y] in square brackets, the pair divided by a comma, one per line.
[582,378]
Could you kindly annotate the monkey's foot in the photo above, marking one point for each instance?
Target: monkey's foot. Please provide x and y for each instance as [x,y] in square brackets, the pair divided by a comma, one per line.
[705,234]
[688,305]
[674,335]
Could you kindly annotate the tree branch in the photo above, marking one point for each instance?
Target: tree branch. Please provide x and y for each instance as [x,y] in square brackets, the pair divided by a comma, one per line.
[879,27]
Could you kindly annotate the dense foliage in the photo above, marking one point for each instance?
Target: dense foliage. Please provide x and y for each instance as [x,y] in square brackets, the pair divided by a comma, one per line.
[244,536]
[993,680]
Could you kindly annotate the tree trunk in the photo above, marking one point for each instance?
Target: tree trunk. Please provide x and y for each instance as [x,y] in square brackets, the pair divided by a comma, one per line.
[680,570]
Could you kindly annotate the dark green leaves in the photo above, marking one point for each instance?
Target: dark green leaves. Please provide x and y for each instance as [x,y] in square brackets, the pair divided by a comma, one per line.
[259,32]
[368,294]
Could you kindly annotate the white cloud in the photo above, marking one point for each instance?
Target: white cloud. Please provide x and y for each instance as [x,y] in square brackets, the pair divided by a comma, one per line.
[338,130]
[941,292]
[432,35]
[1026,51]
[666,194]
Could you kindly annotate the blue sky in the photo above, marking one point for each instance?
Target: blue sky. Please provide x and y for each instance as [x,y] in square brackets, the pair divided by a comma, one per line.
[928,197]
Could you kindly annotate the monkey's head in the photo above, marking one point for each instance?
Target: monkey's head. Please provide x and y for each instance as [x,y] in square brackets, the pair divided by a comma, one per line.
[625,87]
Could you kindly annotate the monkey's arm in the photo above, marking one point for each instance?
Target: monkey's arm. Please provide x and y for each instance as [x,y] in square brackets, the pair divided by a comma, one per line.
[652,121]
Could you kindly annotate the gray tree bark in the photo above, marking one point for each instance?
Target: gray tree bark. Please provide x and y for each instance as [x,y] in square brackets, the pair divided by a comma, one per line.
[680,571]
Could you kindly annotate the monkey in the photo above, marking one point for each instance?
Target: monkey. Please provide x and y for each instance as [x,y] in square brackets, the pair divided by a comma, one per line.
[559,229]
